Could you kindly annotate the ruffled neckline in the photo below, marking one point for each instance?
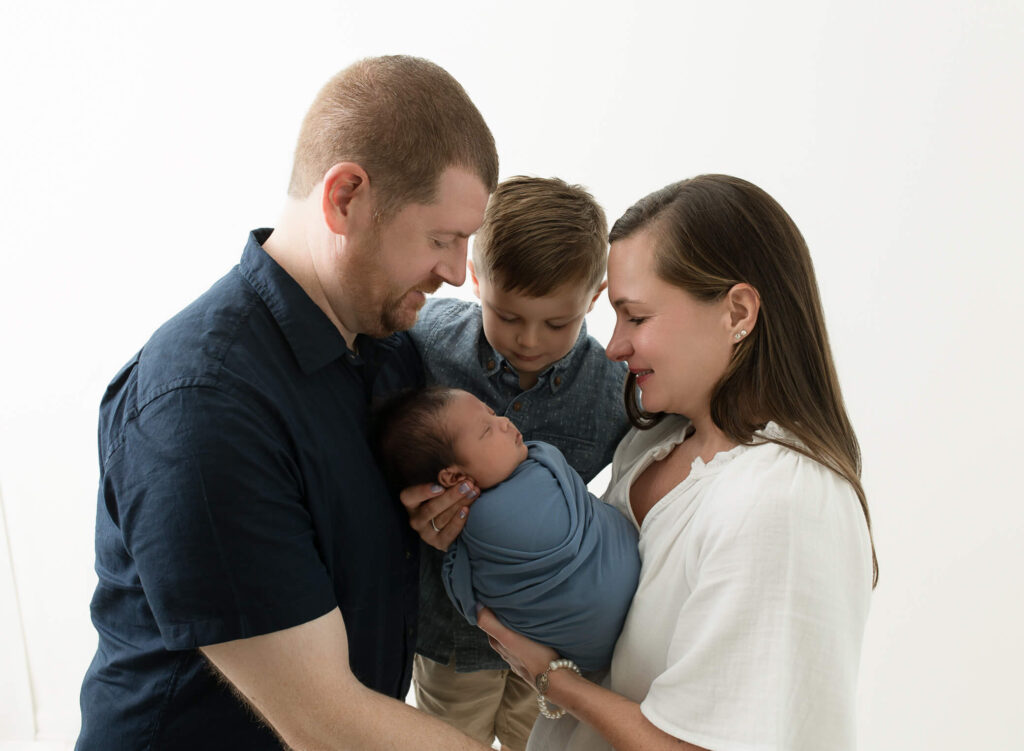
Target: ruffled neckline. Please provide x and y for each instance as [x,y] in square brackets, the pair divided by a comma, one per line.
[699,467]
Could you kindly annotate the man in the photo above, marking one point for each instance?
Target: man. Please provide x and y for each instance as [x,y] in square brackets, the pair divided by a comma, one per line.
[257,582]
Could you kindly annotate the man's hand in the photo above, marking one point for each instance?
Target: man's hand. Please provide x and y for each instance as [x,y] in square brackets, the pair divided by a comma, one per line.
[438,515]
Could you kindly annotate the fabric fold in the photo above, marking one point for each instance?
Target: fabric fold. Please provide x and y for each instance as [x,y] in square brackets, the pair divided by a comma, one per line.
[551,560]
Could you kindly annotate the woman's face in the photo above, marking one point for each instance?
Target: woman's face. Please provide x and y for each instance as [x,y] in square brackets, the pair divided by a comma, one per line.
[678,346]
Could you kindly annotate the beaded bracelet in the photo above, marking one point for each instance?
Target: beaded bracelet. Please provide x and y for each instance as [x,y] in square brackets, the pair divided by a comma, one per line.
[543,683]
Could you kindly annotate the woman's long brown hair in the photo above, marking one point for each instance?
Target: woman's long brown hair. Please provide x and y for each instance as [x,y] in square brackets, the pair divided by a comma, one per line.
[711,233]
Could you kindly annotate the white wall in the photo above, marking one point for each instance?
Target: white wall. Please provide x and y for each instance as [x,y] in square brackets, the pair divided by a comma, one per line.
[140,141]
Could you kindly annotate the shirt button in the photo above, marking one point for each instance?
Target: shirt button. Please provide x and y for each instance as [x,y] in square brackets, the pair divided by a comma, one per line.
[408,555]
[517,406]
[490,364]
[558,380]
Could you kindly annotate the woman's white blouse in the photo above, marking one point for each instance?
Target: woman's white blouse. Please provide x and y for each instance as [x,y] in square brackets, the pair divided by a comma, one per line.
[746,628]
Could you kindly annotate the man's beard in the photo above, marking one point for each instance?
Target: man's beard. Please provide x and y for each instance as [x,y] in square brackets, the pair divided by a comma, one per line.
[392,316]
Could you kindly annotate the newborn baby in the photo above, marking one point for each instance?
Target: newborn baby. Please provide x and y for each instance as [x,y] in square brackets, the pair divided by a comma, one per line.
[551,560]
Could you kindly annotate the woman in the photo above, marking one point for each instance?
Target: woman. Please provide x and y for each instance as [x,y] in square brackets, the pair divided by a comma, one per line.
[757,560]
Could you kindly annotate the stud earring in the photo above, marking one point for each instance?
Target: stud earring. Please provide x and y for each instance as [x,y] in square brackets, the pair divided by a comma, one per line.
[742,333]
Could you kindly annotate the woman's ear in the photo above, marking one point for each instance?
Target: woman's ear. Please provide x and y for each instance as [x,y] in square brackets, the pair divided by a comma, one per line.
[451,476]
[744,304]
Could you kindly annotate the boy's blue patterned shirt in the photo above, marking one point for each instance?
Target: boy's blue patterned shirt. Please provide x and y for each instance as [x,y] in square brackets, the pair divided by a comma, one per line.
[576,404]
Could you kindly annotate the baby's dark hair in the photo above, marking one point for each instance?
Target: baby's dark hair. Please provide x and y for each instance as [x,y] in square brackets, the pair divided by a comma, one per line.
[410,438]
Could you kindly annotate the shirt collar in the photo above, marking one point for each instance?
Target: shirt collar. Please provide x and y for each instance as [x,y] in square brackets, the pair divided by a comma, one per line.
[313,339]
[492,361]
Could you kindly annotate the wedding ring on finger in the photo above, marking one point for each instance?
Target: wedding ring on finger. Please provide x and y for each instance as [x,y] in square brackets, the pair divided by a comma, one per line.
[434,526]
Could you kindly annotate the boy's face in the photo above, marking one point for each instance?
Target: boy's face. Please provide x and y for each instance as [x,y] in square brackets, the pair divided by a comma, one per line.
[532,332]
[488,447]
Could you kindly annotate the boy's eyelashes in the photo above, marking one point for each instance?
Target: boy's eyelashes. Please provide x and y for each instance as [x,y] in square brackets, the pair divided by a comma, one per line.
[553,326]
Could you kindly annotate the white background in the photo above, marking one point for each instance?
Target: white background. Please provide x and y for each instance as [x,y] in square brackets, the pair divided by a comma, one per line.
[139,142]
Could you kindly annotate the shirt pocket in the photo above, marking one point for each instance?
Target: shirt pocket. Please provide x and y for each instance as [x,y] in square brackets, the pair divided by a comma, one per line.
[581,453]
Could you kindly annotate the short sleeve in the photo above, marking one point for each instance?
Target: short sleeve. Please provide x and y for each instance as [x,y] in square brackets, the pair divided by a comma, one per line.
[210,506]
[766,648]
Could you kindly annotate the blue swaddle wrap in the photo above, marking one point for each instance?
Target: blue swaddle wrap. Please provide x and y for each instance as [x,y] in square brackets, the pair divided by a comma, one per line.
[552,561]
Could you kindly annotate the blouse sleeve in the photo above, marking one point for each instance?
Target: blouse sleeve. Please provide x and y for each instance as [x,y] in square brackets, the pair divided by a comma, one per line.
[765,650]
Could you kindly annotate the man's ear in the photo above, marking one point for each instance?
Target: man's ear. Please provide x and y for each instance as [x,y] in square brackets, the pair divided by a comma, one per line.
[346,196]
[472,276]
[451,476]
[602,288]
[743,305]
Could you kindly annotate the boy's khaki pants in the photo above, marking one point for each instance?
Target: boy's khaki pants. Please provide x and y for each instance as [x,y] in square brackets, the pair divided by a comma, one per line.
[484,704]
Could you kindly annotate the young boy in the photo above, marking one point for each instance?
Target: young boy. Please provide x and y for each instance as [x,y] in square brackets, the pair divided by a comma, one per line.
[551,560]
[538,267]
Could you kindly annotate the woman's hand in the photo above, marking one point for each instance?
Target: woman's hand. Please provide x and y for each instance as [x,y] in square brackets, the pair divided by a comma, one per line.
[527,658]
[438,515]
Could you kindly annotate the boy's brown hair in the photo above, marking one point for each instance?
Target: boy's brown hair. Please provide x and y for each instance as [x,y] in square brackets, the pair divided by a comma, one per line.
[402,119]
[540,234]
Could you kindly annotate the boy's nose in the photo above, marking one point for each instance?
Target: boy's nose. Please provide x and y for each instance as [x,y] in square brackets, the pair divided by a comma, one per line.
[527,337]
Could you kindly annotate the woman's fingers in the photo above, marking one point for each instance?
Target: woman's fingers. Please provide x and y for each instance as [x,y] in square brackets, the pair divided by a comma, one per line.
[438,515]
[526,657]
[494,628]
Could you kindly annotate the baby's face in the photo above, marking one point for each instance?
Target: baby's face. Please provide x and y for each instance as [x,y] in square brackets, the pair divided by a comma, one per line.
[488,447]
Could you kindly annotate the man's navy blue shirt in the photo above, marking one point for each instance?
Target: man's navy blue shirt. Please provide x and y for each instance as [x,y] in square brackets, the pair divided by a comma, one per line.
[238,496]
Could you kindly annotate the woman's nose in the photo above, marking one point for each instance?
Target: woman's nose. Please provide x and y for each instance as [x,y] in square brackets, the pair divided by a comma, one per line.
[618,348]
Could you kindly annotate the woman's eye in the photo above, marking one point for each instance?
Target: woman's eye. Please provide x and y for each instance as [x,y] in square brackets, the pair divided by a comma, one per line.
[637,320]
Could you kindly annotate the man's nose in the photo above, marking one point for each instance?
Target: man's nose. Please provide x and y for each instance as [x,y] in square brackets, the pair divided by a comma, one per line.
[453,268]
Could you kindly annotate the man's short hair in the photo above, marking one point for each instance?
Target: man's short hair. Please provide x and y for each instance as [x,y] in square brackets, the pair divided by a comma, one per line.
[402,119]
[540,234]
